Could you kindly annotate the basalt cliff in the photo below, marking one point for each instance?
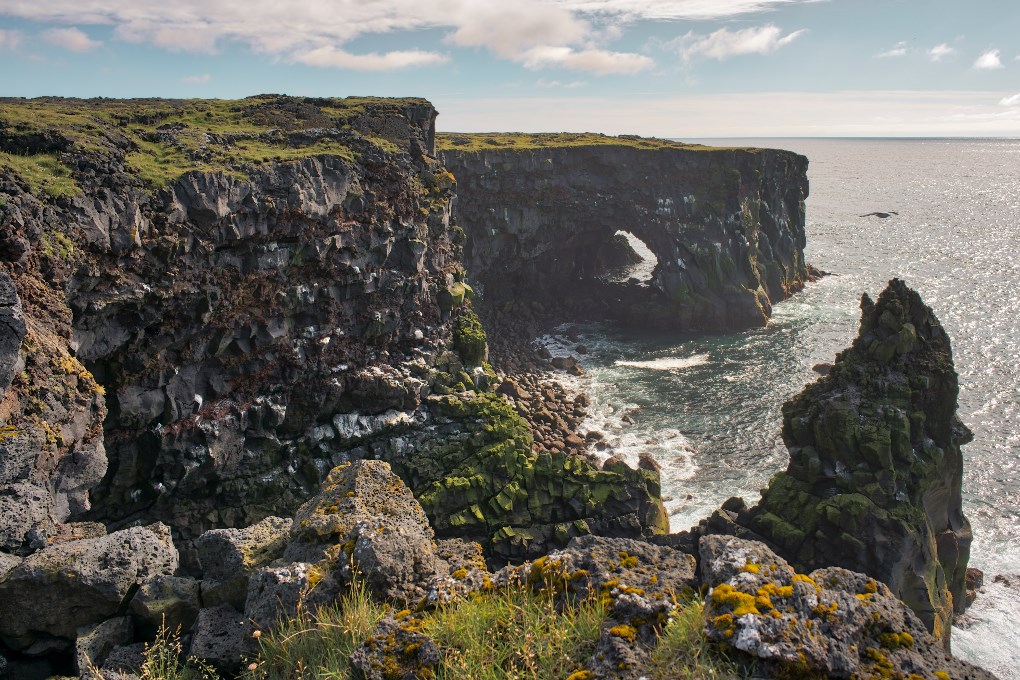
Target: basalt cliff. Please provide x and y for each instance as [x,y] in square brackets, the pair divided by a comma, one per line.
[541,213]
[242,372]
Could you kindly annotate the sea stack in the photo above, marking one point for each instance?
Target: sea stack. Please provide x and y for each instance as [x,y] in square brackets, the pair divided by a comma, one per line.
[875,468]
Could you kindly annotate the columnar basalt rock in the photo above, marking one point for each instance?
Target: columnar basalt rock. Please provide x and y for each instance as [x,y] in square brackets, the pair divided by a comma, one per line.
[727,226]
[874,481]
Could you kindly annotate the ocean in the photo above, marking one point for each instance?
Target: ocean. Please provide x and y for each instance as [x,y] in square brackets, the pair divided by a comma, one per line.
[708,407]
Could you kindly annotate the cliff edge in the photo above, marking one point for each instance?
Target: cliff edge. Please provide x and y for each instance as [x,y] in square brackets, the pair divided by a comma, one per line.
[541,212]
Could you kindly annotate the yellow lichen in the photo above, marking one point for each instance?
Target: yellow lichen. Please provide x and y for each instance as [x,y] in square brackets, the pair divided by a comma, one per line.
[625,632]
[942,675]
[897,640]
[627,561]
[723,621]
[581,675]
[741,603]
[460,574]
[804,578]
[751,568]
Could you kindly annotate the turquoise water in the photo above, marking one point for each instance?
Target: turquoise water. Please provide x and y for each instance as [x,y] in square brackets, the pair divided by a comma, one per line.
[708,407]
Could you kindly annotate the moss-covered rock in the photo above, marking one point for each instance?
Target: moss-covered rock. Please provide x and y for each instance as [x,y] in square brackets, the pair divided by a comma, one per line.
[469,339]
[875,468]
[483,481]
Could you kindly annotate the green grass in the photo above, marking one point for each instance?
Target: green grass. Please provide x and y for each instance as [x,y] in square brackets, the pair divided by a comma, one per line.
[173,137]
[500,635]
[684,653]
[317,646]
[164,660]
[508,634]
[44,173]
[521,141]
[514,634]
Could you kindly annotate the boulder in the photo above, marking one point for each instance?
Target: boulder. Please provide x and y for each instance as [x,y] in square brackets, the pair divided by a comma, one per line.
[56,591]
[124,662]
[638,581]
[7,564]
[170,602]
[218,637]
[875,473]
[381,529]
[831,622]
[94,644]
[397,649]
[277,592]
[229,556]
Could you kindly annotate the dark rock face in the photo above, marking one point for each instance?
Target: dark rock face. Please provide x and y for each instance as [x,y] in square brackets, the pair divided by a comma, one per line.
[224,321]
[832,622]
[875,468]
[727,227]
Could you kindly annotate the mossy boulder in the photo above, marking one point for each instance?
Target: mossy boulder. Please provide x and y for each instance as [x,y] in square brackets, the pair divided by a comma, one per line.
[483,481]
[874,481]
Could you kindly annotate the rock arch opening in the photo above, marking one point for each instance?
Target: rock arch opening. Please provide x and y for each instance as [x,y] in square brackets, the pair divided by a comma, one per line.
[640,261]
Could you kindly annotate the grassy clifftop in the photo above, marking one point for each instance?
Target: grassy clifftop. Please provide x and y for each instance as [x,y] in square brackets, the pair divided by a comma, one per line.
[42,140]
[521,141]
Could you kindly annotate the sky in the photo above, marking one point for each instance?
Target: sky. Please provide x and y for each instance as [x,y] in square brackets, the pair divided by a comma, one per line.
[667,68]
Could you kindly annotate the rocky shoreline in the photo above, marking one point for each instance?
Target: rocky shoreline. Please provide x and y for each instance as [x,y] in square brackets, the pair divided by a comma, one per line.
[232,390]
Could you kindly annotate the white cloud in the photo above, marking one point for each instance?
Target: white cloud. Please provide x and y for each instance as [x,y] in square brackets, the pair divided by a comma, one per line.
[510,28]
[196,80]
[555,84]
[940,52]
[898,50]
[9,40]
[331,57]
[319,30]
[988,61]
[725,43]
[72,39]
[599,62]
[675,9]
[1013,100]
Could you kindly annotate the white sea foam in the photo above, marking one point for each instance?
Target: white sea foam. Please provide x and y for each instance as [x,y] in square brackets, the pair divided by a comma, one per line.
[987,635]
[667,363]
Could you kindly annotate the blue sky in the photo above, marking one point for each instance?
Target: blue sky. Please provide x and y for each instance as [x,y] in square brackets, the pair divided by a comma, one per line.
[674,68]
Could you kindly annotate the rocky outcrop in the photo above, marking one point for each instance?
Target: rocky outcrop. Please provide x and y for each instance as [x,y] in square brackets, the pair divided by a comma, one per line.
[475,471]
[727,227]
[874,481]
[831,623]
[48,596]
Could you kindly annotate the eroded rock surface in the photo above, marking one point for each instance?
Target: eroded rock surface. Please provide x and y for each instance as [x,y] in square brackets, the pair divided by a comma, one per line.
[874,481]
[833,621]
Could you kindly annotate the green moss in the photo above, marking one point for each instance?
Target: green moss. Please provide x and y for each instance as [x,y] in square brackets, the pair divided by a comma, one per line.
[57,245]
[469,339]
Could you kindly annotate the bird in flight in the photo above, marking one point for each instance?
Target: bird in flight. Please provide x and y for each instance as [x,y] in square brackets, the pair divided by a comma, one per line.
[881,215]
